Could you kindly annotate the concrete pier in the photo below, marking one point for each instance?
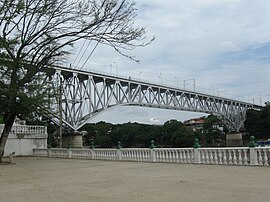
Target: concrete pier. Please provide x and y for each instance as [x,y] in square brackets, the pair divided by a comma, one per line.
[234,140]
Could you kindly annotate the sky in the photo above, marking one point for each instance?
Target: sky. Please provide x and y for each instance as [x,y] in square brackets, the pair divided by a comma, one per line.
[221,46]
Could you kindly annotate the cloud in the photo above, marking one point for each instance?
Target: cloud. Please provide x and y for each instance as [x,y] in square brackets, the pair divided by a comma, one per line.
[154,120]
[224,45]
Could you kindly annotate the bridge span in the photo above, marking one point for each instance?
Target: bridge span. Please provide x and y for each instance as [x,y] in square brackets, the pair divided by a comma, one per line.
[84,94]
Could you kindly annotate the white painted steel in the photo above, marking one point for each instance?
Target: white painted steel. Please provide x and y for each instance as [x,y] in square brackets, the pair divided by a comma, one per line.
[86,94]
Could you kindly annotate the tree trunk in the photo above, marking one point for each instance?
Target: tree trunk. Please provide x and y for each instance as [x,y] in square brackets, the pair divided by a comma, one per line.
[7,128]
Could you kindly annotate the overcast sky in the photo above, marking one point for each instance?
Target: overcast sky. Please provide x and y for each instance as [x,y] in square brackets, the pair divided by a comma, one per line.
[223,44]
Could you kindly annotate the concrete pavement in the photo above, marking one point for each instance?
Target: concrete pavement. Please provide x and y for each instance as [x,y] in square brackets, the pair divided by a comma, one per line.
[70,180]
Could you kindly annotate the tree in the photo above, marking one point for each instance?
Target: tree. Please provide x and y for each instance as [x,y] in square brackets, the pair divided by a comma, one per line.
[35,34]
[212,136]
[258,123]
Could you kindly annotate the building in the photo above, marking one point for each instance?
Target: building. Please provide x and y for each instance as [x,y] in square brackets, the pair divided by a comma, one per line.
[195,124]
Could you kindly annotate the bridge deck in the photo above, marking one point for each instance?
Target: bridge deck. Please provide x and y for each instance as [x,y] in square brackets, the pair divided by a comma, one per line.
[55,180]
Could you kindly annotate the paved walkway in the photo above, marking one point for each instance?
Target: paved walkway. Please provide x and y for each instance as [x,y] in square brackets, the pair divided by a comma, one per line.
[69,180]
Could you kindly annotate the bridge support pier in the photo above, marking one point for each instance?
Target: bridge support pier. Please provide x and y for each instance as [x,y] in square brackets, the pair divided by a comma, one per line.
[73,140]
[234,140]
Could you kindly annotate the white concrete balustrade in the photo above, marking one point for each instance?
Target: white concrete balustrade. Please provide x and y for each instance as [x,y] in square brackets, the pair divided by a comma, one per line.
[22,139]
[26,129]
[240,156]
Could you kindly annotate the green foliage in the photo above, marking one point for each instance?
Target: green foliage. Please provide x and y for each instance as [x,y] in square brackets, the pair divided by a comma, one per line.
[172,134]
[1,119]
[211,135]
[258,123]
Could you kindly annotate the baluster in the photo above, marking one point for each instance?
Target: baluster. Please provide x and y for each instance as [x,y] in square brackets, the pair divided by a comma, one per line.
[143,155]
[219,156]
[157,155]
[191,155]
[230,157]
[124,155]
[202,156]
[161,155]
[191,152]
[211,157]
[184,156]
[168,156]
[132,155]
[234,157]
[260,157]
[265,158]
[127,153]
[188,156]
[165,155]
[180,156]
[173,156]
[177,156]
[215,157]
[224,159]
[240,159]
[206,157]
[245,157]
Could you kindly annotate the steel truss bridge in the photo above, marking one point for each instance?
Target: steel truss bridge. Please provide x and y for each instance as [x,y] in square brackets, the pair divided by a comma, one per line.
[82,95]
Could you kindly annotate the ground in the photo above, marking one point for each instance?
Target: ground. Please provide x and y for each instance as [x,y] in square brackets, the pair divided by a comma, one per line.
[70,180]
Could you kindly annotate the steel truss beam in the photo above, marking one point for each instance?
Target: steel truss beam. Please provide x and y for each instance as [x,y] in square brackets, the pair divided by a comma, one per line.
[85,94]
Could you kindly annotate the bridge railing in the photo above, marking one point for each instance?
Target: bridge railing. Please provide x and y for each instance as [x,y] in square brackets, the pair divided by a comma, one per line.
[241,156]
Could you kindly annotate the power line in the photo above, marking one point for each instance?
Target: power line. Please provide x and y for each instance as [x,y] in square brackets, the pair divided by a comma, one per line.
[103,34]
[79,53]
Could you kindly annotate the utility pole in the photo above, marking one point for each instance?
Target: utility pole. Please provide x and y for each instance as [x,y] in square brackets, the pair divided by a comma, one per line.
[60,115]
[194,85]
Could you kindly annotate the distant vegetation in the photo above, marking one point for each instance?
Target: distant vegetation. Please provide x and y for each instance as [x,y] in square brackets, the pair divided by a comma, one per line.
[172,134]
[258,123]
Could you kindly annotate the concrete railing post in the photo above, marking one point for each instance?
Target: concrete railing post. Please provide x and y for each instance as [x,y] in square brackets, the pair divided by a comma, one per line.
[197,154]
[118,155]
[152,151]
[253,151]
[92,152]
[253,156]
[153,155]
[118,152]
[49,153]
[69,153]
